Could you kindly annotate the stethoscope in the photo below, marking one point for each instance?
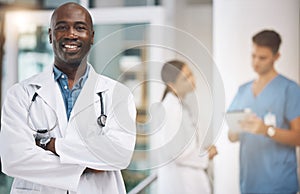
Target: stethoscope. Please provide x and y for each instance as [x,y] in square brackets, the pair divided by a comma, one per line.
[42,132]
[101,120]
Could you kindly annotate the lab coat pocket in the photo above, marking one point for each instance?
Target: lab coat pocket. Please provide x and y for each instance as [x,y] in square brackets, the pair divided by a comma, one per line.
[22,191]
[86,123]
[95,130]
[22,186]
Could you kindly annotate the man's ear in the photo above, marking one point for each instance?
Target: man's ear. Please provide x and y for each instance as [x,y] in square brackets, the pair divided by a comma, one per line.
[50,36]
[93,35]
[277,55]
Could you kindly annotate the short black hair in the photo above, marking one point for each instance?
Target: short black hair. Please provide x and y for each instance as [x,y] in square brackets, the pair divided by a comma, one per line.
[268,38]
[74,5]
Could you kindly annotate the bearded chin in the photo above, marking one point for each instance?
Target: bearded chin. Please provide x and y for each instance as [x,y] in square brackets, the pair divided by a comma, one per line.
[76,62]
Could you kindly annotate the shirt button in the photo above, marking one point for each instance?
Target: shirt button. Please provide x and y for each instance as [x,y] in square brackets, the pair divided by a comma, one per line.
[66,87]
[63,76]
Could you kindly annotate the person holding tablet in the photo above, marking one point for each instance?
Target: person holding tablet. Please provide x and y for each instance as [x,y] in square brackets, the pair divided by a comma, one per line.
[270,135]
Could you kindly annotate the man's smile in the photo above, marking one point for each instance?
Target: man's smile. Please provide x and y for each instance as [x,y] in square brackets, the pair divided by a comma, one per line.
[71,47]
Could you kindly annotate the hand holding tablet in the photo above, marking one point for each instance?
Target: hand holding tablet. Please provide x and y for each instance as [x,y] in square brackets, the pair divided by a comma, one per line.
[234,118]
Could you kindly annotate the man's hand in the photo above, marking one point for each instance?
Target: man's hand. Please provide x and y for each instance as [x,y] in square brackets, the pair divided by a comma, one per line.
[254,125]
[233,136]
[50,146]
[90,170]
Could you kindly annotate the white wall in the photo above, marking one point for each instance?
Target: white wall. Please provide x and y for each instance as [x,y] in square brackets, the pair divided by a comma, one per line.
[195,20]
[235,22]
[191,37]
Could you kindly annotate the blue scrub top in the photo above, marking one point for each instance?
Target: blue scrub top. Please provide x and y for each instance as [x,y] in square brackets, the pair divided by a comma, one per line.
[265,165]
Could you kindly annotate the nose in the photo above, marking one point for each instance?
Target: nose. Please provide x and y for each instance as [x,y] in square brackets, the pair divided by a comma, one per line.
[192,81]
[254,60]
[72,33]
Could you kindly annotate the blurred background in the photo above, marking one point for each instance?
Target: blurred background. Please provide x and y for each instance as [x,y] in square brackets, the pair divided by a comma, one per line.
[218,31]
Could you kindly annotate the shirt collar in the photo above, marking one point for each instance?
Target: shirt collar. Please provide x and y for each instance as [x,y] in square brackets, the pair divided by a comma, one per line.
[57,73]
[80,82]
[83,78]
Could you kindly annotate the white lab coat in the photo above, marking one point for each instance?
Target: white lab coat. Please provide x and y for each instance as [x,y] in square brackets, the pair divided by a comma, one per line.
[183,166]
[80,142]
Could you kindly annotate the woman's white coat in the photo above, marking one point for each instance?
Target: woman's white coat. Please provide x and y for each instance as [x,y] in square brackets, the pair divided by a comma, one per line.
[183,167]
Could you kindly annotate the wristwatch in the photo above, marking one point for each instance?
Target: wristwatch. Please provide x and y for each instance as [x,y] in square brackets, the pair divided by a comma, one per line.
[44,142]
[271,131]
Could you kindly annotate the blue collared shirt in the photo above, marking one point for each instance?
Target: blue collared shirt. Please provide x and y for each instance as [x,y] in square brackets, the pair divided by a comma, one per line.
[69,95]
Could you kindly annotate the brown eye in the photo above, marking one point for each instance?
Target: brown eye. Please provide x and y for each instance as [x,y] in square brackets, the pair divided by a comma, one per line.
[81,28]
[61,28]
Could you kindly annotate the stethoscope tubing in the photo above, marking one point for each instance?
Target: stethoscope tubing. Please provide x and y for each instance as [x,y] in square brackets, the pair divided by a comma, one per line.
[101,120]
[33,128]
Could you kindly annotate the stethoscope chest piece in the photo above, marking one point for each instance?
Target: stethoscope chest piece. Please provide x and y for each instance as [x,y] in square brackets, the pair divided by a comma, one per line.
[101,120]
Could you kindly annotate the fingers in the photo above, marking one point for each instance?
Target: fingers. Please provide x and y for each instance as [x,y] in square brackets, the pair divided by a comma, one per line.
[212,152]
[252,124]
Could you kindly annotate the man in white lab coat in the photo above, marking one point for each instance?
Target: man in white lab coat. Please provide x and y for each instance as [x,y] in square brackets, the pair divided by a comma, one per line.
[53,139]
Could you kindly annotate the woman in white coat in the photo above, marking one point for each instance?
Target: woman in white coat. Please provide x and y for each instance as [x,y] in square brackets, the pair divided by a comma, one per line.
[78,154]
[183,170]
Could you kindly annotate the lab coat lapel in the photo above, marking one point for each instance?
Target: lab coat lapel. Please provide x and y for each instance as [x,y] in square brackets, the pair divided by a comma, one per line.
[86,98]
[49,91]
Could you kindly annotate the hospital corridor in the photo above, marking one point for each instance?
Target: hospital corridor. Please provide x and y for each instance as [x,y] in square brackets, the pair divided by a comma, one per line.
[150,96]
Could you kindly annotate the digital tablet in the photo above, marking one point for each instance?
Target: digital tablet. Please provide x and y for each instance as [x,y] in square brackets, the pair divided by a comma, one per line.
[233,119]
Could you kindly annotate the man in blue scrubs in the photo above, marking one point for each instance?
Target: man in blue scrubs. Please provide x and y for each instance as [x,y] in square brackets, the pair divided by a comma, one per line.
[269,137]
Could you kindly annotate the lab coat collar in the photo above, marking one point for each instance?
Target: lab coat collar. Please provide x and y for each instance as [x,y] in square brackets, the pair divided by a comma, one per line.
[93,85]
[45,81]
[47,88]
[101,84]
[49,91]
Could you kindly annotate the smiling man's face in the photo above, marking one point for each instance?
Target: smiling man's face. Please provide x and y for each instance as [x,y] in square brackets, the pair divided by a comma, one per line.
[71,34]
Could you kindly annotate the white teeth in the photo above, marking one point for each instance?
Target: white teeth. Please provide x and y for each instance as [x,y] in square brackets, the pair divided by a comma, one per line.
[70,46]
